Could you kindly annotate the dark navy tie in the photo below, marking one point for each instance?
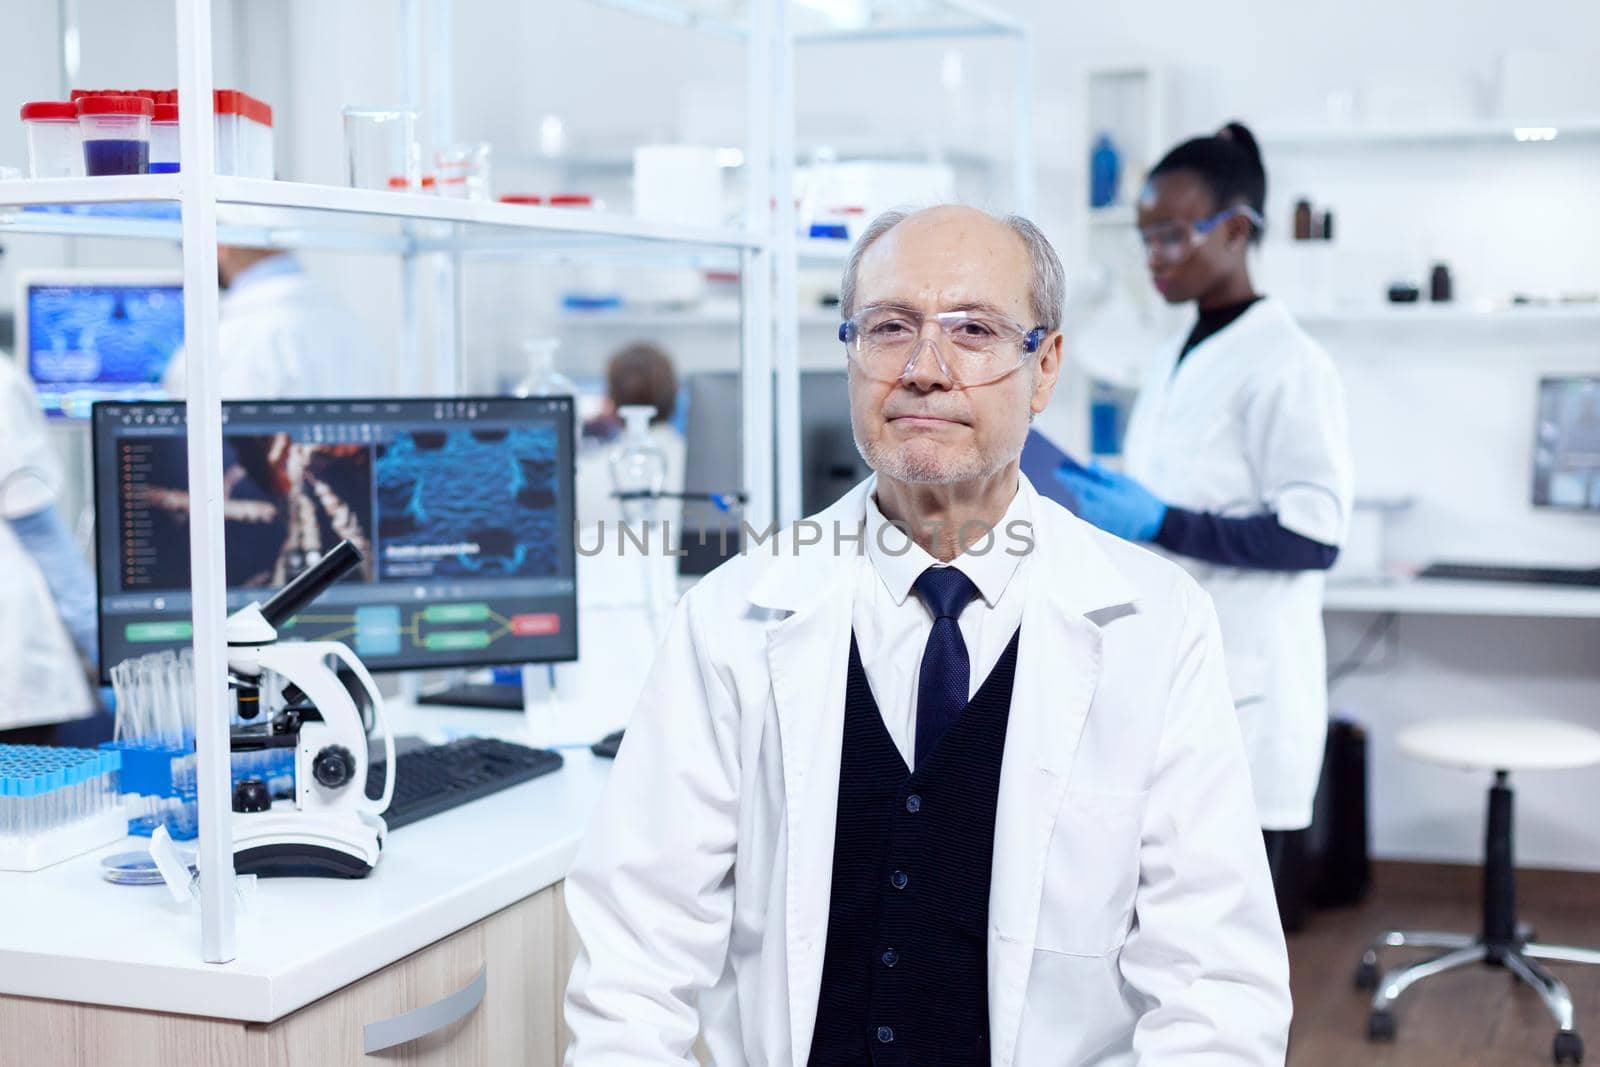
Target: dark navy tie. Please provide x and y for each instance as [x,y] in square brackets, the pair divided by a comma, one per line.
[946,670]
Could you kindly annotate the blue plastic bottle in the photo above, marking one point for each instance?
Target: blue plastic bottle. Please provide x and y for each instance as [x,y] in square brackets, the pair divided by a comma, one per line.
[1105,168]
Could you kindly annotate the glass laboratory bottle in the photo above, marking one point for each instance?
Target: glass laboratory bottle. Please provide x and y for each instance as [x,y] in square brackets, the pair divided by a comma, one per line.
[542,378]
[638,467]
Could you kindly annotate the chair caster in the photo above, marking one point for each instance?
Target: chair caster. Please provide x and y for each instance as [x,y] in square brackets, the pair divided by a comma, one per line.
[1568,1047]
[1380,1026]
[1366,977]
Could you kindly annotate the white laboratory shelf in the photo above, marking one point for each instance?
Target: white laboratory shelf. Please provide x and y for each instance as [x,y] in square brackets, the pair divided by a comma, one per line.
[300,214]
[1438,596]
[822,251]
[103,190]
[1452,314]
[819,23]
[626,319]
[1533,132]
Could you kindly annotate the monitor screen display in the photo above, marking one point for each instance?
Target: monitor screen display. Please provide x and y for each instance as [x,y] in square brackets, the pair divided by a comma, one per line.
[462,510]
[1566,459]
[98,340]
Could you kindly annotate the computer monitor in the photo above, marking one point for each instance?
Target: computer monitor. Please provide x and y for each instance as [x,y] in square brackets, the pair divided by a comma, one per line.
[463,509]
[86,335]
[829,461]
[1566,454]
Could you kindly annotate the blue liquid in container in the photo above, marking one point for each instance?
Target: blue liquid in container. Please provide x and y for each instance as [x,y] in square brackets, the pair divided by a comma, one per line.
[163,168]
[116,157]
[1105,170]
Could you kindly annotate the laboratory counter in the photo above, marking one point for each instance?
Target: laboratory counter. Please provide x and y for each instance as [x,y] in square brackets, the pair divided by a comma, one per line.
[463,914]
[1445,596]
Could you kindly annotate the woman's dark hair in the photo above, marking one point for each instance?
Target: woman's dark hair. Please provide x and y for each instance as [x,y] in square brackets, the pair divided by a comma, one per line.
[1228,162]
[643,374]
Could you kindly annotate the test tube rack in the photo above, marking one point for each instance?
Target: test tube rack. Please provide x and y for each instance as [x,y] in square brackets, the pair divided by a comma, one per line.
[56,803]
[158,783]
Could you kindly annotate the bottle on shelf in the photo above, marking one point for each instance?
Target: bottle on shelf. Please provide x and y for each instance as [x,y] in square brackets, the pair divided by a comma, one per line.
[1302,220]
[1439,284]
[1105,172]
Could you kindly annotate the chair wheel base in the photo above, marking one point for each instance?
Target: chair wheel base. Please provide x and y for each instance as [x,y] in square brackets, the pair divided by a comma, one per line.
[1380,1026]
[1366,977]
[1568,1048]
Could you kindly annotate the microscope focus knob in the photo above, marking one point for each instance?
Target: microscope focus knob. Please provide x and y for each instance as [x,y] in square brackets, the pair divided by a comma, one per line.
[334,766]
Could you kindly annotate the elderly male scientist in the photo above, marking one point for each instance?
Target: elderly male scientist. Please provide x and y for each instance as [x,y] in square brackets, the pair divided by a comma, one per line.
[978,797]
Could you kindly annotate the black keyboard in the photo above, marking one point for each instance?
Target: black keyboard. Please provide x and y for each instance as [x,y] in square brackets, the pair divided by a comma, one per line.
[437,778]
[1476,572]
[493,696]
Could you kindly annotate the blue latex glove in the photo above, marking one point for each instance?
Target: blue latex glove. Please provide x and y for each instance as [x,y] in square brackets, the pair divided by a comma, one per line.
[1114,502]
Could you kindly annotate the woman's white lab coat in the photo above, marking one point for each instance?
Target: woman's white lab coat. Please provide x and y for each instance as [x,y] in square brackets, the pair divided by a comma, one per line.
[1131,917]
[41,679]
[1253,420]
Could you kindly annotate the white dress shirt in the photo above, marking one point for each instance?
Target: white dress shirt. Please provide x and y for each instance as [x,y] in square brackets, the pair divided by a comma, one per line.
[892,624]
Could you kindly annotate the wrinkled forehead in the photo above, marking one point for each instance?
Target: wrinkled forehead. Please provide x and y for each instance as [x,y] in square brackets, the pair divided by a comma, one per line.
[966,261]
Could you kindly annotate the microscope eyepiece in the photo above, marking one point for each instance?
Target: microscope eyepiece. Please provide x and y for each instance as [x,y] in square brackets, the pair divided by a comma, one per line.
[289,600]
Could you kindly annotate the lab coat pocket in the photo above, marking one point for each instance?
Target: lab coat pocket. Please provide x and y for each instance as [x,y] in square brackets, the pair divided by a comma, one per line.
[1091,873]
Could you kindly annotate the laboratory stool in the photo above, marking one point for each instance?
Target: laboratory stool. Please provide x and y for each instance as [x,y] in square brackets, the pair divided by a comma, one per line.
[1501,746]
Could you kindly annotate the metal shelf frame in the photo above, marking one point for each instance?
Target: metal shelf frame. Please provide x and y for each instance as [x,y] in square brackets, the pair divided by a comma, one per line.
[430,235]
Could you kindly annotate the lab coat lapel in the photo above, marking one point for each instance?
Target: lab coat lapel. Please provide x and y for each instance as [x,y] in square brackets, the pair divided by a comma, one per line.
[807,659]
[1058,671]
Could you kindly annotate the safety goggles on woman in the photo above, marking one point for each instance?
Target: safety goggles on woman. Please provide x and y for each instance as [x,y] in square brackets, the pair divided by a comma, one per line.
[1171,241]
[972,347]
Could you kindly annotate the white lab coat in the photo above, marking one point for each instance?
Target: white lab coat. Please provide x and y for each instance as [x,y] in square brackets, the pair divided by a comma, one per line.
[1131,917]
[41,679]
[1254,420]
[283,336]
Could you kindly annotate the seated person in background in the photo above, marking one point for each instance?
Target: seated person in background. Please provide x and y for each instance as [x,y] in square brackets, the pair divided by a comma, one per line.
[47,591]
[643,374]
[281,335]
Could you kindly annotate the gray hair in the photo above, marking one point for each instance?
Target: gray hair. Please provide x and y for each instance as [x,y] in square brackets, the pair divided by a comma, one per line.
[1047,292]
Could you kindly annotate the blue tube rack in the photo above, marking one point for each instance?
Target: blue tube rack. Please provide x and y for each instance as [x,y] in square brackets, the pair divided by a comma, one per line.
[148,770]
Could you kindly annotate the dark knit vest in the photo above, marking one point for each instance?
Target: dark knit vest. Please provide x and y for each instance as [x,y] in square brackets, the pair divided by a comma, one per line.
[905,972]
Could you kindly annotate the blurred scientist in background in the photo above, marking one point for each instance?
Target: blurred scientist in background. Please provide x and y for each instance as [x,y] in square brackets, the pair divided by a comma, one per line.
[1238,464]
[639,374]
[281,335]
[47,591]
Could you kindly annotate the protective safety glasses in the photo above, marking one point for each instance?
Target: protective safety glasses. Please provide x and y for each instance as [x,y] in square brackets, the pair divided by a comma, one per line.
[972,348]
[1171,241]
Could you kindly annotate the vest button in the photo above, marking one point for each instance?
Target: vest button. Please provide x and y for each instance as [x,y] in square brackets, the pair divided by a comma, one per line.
[899,879]
[885,1035]
[913,803]
[890,958]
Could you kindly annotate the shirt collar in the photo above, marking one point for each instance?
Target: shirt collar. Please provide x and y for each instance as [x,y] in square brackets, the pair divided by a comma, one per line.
[272,267]
[899,561]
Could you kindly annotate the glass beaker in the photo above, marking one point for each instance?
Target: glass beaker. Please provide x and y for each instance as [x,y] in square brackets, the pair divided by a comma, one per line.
[381,146]
[464,171]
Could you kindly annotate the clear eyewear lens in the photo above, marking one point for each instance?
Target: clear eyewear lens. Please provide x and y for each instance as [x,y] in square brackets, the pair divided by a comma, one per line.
[1172,241]
[886,345]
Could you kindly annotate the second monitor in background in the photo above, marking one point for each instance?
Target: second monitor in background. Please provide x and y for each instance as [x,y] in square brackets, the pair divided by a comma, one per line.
[829,461]
[1566,463]
[88,335]
[462,508]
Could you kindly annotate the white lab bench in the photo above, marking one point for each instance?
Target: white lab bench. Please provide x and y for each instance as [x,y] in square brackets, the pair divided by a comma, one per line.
[1448,596]
[95,973]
